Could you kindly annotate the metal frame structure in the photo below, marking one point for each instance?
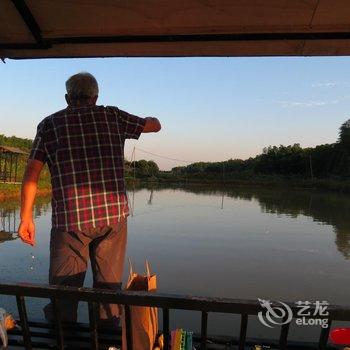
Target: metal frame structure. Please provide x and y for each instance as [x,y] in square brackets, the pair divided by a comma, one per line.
[166,302]
[8,220]
[9,163]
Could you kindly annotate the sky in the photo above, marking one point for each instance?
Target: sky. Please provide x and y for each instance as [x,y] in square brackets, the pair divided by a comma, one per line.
[211,109]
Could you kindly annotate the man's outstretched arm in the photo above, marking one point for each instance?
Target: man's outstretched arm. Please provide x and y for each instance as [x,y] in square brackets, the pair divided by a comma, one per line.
[26,228]
[152,125]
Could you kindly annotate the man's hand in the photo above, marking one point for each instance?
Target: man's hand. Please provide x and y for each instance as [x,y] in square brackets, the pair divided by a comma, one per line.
[152,125]
[26,231]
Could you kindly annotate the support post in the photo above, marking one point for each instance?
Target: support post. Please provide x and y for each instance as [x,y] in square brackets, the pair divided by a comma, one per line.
[134,162]
[16,167]
[311,169]
[1,161]
[5,167]
[11,161]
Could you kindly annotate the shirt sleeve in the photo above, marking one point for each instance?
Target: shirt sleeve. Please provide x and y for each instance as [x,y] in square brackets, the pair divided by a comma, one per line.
[132,125]
[38,151]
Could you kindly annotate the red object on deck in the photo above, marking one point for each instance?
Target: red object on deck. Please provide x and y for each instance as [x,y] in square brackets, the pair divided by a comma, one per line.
[340,336]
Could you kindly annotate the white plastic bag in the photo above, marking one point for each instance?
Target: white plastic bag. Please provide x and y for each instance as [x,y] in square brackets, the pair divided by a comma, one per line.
[6,323]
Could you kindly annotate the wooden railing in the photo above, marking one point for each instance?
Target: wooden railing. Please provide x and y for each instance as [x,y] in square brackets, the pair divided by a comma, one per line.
[165,302]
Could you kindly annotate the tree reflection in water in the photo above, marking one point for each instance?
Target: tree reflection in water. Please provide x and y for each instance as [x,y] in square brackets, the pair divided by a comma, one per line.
[324,207]
[9,216]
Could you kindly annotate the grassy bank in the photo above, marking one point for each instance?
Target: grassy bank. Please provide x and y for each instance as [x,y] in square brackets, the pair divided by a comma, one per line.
[13,191]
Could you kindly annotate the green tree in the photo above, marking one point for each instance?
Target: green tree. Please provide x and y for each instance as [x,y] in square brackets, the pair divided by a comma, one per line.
[153,168]
[145,168]
[344,134]
[13,141]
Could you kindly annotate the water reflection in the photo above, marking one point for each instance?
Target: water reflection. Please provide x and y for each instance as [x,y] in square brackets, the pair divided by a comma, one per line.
[216,241]
[9,216]
[323,207]
[8,223]
[6,236]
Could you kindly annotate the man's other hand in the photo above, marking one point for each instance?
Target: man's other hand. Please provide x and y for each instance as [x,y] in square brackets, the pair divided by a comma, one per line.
[26,229]
[152,125]
[26,232]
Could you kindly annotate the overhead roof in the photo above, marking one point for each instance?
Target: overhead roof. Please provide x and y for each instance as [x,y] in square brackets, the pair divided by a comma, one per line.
[14,150]
[90,28]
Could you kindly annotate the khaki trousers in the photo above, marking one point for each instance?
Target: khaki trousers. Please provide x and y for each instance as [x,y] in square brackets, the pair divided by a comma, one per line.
[69,256]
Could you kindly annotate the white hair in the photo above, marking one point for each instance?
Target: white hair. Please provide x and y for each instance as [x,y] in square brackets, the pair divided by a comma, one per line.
[82,86]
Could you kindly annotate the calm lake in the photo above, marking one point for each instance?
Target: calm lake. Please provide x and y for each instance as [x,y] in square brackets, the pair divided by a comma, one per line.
[239,243]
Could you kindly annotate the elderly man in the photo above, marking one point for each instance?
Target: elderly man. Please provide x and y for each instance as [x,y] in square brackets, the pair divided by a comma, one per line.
[83,146]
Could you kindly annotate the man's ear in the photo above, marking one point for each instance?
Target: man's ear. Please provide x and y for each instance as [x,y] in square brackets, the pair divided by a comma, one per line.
[67,98]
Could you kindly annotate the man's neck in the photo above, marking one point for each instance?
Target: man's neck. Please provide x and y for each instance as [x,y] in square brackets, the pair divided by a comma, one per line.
[78,103]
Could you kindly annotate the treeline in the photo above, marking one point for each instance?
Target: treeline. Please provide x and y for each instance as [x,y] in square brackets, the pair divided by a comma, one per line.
[13,141]
[324,161]
[321,162]
[141,168]
[24,145]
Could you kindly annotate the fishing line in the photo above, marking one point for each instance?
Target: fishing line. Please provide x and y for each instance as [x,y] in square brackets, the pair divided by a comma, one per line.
[164,157]
[12,236]
[133,162]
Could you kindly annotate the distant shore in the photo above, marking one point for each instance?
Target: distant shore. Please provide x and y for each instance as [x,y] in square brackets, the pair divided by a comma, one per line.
[13,191]
[334,185]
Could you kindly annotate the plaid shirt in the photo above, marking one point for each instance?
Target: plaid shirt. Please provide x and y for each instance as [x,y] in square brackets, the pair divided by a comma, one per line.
[84,149]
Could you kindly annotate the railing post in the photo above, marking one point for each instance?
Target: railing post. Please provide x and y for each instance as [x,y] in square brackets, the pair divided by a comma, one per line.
[204,327]
[243,331]
[166,328]
[24,322]
[58,323]
[128,325]
[323,340]
[284,336]
[93,325]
